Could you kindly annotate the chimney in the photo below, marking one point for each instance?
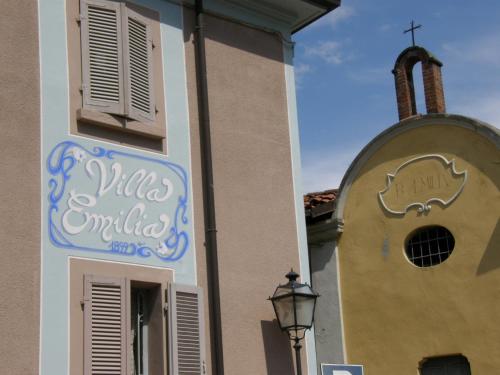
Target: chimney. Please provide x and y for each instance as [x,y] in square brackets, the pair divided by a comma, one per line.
[433,84]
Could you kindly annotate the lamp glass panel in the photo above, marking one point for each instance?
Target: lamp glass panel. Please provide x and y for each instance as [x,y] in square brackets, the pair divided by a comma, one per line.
[305,310]
[304,289]
[281,290]
[284,311]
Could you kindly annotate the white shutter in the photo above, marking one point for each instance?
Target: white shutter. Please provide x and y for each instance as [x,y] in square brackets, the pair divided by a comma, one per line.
[138,56]
[186,330]
[104,326]
[102,56]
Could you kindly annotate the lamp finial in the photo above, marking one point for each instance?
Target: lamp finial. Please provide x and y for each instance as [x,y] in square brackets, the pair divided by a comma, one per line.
[292,276]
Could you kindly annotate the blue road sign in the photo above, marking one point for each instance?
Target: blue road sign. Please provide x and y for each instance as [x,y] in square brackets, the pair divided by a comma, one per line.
[328,369]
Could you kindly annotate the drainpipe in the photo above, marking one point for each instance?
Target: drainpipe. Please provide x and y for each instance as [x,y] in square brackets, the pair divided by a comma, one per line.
[208,193]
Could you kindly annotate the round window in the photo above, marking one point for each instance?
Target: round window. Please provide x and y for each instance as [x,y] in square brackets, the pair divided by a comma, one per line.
[429,246]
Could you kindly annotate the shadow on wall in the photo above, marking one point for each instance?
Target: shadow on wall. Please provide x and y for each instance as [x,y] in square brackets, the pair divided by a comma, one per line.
[491,257]
[322,256]
[234,35]
[277,348]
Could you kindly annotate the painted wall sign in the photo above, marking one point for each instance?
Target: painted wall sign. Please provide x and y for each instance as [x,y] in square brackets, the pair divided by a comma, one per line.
[421,181]
[110,201]
[329,369]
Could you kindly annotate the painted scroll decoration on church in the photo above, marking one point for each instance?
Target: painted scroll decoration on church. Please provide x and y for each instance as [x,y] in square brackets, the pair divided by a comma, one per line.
[420,182]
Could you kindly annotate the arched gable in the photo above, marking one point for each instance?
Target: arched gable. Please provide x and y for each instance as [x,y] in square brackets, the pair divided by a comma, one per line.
[485,130]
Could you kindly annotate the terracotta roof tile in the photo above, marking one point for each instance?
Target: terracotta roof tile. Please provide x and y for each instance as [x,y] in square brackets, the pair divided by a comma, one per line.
[313,200]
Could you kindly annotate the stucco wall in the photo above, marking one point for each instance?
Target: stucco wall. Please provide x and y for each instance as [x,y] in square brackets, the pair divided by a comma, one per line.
[396,314]
[65,159]
[256,222]
[327,320]
[20,187]
[197,181]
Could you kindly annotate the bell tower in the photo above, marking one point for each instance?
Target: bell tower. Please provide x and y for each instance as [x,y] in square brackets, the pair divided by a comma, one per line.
[433,84]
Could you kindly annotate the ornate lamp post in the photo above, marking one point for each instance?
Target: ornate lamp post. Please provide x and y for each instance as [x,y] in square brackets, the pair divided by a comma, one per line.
[294,304]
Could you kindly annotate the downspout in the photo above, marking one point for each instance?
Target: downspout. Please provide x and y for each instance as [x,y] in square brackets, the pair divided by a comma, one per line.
[208,193]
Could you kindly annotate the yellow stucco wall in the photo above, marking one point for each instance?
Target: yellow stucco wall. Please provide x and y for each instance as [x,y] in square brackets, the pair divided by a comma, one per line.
[396,314]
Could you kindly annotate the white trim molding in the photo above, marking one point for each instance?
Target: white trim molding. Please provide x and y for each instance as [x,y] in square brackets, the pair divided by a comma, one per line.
[423,206]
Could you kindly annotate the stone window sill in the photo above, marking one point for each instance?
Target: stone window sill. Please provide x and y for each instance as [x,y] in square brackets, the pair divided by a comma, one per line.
[150,130]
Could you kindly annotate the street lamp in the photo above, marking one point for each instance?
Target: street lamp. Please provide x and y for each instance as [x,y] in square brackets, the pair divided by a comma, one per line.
[294,305]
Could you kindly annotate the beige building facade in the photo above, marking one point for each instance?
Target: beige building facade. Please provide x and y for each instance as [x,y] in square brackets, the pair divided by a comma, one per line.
[139,141]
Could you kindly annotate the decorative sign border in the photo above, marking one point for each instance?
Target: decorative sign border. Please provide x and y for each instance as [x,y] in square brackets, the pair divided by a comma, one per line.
[61,161]
[423,206]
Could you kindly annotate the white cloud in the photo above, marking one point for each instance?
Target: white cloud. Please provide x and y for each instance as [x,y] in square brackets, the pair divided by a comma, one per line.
[371,75]
[328,51]
[325,169]
[335,17]
[385,27]
[483,50]
[301,69]
[485,108]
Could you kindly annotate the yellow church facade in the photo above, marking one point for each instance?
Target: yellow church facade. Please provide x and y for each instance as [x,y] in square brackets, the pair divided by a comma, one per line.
[396,314]
[408,260]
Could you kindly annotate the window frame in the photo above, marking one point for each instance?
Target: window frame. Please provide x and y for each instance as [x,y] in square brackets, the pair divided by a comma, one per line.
[165,355]
[428,241]
[117,128]
[444,363]
[80,269]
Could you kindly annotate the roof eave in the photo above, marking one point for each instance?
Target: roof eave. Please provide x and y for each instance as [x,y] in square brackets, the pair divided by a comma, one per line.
[325,5]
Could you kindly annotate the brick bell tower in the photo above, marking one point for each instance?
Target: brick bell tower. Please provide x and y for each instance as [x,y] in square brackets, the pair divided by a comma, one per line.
[433,84]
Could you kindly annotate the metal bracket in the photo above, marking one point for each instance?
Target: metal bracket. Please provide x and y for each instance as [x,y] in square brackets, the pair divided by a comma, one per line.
[83,301]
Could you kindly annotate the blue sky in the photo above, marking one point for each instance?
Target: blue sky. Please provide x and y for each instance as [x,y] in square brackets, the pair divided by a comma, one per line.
[345,88]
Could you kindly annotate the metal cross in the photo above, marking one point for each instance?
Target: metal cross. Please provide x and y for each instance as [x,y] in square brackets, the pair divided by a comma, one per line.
[412,29]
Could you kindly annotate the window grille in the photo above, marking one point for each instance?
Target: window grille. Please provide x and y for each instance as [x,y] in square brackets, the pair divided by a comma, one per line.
[450,365]
[430,246]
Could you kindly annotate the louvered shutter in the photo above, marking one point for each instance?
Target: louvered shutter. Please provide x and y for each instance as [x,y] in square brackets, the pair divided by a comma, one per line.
[102,56]
[138,56]
[186,330]
[104,326]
